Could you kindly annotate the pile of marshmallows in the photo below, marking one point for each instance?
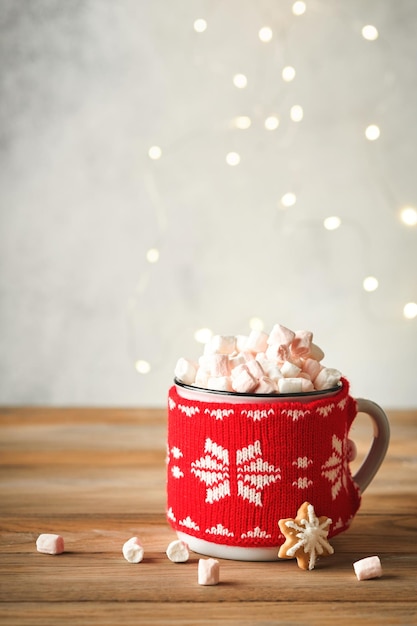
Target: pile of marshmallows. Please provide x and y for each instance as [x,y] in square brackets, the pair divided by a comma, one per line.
[282,361]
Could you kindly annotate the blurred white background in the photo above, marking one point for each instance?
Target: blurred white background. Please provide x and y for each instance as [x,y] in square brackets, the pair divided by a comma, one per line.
[111,259]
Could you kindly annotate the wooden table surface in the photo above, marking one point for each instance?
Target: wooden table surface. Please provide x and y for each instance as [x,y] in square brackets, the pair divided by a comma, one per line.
[97,477]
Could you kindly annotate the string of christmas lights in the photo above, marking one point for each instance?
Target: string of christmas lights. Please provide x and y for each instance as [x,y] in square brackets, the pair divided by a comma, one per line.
[407,215]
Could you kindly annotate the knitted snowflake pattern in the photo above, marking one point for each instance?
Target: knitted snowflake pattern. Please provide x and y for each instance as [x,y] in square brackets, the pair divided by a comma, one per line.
[306,537]
[228,480]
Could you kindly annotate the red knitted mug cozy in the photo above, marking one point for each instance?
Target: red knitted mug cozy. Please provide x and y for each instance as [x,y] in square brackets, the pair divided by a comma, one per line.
[234,470]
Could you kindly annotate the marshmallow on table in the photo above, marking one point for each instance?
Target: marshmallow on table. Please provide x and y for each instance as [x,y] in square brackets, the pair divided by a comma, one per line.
[208,572]
[185,371]
[177,551]
[368,568]
[133,550]
[49,543]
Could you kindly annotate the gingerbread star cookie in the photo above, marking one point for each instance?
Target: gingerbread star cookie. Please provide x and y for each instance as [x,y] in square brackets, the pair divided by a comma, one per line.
[305,537]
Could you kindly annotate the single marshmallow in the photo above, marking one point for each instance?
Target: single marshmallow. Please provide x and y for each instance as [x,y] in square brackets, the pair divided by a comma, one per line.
[266,385]
[270,368]
[290,370]
[261,358]
[204,362]
[236,359]
[316,352]
[236,371]
[222,344]
[177,551]
[218,365]
[185,371]
[295,359]
[255,368]
[278,353]
[241,341]
[50,544]
[242,380]
[306,384]
[247,355]
[201,378]
[311,367]
[257,341]
[290,385]
[301,344]
[271,353]
[208,572]
[133,550]
[274,373]
[327,377]
[280,335]
[219,383]
[368,568]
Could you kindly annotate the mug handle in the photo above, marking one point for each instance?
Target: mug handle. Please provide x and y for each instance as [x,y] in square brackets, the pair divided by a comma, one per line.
[379,446]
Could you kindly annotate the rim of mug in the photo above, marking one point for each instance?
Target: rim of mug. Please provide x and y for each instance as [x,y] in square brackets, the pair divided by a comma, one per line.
[317,393]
